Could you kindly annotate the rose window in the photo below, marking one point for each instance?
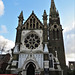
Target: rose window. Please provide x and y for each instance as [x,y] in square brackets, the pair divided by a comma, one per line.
[32,41]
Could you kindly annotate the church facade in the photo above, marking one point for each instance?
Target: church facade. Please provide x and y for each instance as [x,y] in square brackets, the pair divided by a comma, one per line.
[39,47]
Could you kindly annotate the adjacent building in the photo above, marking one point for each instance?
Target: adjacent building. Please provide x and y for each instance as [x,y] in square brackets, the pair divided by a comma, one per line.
[4,59]
[72,65]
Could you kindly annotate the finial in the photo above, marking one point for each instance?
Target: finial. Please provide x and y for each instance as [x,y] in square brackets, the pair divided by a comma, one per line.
[44,14]
[21,18]
[52,0]
[32,11]
[21,15]
[44,11]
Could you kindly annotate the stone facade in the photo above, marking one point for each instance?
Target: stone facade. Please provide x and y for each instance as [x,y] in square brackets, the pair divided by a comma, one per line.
[39,47]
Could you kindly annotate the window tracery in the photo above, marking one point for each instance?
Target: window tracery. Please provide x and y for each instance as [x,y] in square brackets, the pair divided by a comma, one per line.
[32,41]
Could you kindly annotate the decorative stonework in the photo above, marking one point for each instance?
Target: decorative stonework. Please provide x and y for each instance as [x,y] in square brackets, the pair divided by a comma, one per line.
[39,47]
[32,41]
[36,40]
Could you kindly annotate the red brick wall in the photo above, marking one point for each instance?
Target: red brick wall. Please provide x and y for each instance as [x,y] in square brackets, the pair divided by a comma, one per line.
[8,74]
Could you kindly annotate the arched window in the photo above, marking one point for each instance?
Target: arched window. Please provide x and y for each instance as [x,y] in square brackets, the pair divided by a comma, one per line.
[30,26]
[30,21]
[27,26]
[23,27]
[53,34]
[34,20]
[40,27]
[57,34]
[33,25]
[37,25]
[51,63]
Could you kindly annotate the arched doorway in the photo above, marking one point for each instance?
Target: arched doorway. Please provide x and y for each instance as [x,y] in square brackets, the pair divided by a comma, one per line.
[30,69]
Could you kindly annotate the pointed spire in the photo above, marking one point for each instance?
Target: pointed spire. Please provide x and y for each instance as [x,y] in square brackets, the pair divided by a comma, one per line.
[53,8]
[20,22]
[45,34]
[45,14]
[45,18]
[21,16]
[53,14]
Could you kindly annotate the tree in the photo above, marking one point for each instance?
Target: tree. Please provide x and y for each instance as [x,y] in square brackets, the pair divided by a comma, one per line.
[3,46]
[71,72]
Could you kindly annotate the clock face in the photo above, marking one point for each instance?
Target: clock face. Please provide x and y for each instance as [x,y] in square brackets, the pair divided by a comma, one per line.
[32,41]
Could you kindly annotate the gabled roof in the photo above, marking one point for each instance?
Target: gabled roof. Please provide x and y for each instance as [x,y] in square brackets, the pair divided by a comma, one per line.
[32,14]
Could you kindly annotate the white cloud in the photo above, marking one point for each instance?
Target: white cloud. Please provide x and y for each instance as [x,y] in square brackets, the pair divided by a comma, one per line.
[3,29]
[69,27]
[69,37]
[70,45]
[8,43]
[70,57]
[1,8]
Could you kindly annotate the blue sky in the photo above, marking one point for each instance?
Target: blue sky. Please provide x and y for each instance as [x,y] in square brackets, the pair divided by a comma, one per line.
[10,10]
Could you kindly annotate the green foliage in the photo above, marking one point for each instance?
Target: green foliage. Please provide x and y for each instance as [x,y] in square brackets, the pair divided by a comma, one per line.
[71,72]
